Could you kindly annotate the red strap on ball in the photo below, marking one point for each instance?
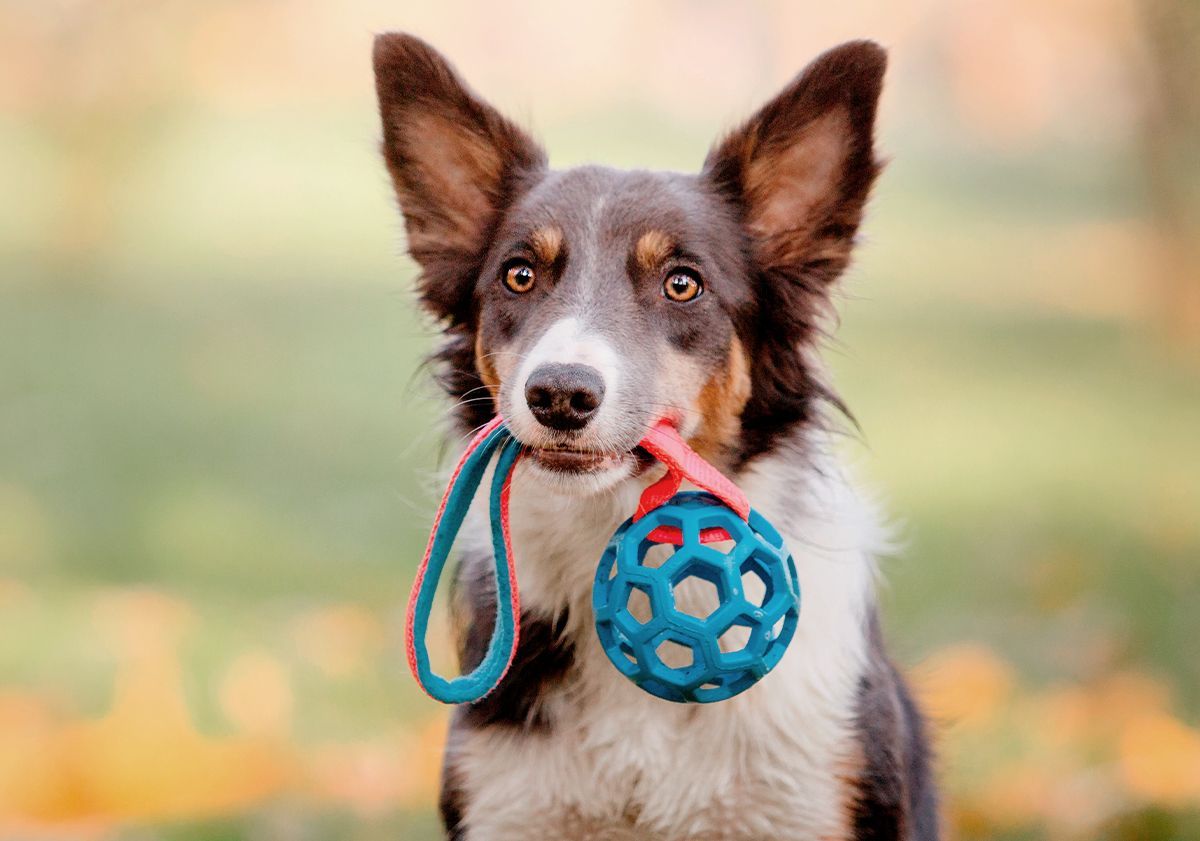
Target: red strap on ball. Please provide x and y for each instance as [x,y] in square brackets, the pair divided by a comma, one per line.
[664,442]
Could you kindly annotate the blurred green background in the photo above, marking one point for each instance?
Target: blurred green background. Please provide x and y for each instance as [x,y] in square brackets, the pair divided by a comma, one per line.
[218,455]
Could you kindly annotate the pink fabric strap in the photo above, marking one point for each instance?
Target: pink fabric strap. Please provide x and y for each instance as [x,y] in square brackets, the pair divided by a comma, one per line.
[664,442]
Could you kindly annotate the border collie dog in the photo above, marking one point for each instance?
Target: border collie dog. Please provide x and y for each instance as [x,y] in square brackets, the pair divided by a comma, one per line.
[583,304]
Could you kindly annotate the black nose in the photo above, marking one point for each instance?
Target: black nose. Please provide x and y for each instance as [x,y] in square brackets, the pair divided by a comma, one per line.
[564,397]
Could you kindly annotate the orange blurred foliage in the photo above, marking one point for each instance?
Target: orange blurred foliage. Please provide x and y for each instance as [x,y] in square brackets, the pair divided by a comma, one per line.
[964,685]
[143,759]
[1160,760]
[256,695]
[397,770]
[338,639]
[1064,758]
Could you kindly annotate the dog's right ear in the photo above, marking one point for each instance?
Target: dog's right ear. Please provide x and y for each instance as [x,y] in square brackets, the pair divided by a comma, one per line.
[455,162]
[801,168]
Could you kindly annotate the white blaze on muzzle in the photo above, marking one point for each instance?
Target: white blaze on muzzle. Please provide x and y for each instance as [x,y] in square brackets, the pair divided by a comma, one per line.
[567,342]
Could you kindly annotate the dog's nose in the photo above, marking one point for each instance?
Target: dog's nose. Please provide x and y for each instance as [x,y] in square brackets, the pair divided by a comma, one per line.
[562,396]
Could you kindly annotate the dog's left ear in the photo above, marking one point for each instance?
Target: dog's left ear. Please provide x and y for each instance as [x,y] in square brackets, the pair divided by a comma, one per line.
[801,168]
[456,164]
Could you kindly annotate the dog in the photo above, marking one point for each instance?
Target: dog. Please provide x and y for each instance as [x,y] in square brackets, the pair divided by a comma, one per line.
[582,305]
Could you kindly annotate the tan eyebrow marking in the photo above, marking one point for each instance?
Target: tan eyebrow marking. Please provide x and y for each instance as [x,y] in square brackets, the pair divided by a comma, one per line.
[652,249]
[546,243]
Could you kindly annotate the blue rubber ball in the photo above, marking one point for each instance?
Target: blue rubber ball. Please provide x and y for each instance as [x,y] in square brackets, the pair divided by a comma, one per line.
[735,644]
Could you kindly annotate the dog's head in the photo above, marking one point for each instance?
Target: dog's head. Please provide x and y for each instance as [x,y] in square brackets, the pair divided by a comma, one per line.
[583,304]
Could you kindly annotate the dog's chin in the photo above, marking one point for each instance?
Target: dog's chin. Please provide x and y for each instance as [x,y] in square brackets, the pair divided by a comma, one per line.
[584,473]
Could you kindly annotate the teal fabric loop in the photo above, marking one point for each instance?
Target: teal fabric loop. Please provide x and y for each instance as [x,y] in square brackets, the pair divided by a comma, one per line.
[486,676]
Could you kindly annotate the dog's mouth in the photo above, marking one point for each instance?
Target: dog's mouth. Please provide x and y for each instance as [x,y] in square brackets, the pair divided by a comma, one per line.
[573,461]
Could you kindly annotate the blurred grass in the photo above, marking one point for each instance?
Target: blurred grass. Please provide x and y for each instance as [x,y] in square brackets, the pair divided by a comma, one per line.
[220,424]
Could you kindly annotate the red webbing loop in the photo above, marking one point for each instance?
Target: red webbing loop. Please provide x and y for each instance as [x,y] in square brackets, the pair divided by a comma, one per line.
[664,442]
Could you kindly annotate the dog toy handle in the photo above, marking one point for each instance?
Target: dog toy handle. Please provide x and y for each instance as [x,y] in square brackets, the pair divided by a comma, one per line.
[456,501]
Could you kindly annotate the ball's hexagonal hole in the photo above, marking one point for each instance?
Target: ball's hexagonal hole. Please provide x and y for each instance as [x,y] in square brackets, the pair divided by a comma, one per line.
[698,595]
[757,588]
[675,655]
[657,555]
[735,638]
[628,652]
[777,629]
[638,604]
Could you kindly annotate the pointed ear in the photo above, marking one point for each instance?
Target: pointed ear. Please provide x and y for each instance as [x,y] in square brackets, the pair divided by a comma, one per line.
[455,162]
[802,167]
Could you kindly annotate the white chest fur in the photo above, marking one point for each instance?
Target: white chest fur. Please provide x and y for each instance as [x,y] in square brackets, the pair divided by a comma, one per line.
[621,764]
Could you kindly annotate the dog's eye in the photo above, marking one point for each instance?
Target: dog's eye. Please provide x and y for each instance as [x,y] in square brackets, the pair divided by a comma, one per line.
[519,277]
[682,285]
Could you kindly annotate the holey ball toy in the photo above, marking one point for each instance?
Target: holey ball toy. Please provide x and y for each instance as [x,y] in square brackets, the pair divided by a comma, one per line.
[649,618]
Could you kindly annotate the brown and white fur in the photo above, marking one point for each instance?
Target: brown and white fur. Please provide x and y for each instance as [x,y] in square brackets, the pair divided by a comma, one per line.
[582,304]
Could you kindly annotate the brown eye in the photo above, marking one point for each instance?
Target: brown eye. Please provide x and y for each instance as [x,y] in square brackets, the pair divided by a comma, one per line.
[682,286]
[519,277]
